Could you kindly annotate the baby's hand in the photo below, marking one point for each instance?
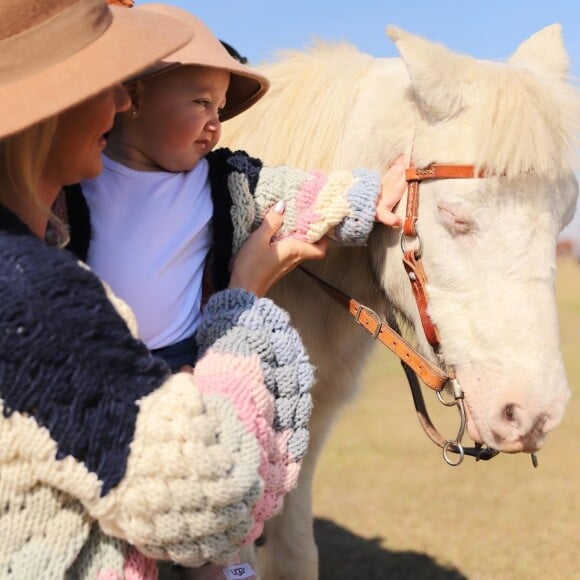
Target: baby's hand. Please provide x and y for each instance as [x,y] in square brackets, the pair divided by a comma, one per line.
[393,189]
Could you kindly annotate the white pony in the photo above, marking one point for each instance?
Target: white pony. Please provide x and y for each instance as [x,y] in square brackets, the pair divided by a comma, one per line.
[488,243]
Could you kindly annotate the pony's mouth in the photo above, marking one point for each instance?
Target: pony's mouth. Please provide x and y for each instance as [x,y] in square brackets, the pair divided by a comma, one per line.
[472,429]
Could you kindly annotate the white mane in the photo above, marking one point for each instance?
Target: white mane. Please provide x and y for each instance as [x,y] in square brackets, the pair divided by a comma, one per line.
[522,119]
[528,120]
[331,73]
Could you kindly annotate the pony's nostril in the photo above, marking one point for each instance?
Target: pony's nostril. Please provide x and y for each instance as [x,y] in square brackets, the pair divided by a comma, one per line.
[510,414]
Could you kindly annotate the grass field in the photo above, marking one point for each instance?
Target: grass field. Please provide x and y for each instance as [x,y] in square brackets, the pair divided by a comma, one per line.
[387,506]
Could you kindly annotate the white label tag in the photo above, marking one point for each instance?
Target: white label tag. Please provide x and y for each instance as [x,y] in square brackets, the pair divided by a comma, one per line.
[239,572]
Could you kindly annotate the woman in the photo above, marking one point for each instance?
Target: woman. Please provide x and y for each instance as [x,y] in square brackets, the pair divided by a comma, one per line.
[107,460]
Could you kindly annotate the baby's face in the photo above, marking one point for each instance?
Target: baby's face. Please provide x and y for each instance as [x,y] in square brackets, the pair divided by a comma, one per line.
[179,116]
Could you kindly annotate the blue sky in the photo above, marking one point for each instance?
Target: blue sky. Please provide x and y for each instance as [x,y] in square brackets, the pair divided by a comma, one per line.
[490,29]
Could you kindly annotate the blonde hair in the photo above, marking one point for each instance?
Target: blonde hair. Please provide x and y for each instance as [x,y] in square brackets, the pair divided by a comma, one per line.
[23,157]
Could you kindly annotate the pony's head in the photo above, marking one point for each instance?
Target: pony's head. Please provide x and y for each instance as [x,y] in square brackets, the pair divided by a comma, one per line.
[490,243]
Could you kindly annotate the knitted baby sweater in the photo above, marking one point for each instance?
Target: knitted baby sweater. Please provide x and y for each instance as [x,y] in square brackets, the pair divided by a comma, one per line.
[103,451]
[340,204]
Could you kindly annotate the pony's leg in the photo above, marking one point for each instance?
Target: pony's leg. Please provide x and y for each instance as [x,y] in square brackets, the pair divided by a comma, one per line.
[248,556]
[212,572]
[290,552]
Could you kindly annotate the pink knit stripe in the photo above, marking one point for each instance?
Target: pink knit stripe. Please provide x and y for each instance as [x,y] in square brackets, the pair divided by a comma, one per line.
[247,413]
[282,476]
[233,371]
[136,567]
[271,503]
[305,201]
[139,567]
[288,468]
[241,380]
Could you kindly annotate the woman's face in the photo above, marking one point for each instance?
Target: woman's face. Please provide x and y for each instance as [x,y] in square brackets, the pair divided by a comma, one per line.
[79,138]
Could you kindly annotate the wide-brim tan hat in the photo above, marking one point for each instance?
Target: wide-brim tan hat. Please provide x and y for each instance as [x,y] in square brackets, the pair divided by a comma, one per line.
[56,53]
[246,85]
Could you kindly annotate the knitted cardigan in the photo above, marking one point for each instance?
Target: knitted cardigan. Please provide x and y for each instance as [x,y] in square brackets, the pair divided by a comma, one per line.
[107,460]
[341,204]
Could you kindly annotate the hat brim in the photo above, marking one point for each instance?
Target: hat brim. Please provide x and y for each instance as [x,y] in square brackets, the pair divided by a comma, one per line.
[246,85]
[135,39]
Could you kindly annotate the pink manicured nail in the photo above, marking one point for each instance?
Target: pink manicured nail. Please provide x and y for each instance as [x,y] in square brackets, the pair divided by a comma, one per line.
[280,207]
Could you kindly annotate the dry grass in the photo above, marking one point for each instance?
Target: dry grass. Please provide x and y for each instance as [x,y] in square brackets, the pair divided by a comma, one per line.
[387,506]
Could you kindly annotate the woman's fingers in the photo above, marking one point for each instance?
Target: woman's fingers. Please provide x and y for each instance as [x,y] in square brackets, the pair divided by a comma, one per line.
[261,261]
[273,221]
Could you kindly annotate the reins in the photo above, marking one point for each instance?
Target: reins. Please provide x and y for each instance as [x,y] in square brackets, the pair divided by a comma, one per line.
[415,365]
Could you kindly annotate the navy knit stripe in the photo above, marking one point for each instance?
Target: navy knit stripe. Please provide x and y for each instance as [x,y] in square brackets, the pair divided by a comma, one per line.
[223,162]
[66,357]
[79,222]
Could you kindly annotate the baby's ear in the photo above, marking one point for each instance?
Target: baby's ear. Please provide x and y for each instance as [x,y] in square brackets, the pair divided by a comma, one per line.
[134,88]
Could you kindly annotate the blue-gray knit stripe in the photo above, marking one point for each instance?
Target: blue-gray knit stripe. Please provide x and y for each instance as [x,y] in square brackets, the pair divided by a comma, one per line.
[239,323]
[362,197]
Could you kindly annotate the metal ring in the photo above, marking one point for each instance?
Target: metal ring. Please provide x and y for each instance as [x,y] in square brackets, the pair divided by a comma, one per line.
[458,449]
[443,401]
[404,238]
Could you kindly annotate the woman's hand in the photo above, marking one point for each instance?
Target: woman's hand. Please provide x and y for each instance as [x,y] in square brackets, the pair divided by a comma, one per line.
[394,185]
[261,262]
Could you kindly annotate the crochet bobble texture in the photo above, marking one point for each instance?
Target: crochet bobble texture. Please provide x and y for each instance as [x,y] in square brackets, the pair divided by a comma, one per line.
[340,203]
[188,470]
[275,402]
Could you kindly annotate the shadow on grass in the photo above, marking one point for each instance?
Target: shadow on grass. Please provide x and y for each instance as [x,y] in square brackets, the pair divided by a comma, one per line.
[346,556]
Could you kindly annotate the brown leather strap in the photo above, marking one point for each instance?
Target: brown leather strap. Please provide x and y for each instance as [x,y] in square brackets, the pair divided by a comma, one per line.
[430,374]
[442,171]
[414,175]
[412,259]
[418,280]
[412,212]
[421,409]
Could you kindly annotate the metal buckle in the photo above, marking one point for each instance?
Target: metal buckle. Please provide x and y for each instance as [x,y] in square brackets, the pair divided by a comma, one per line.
[373,314]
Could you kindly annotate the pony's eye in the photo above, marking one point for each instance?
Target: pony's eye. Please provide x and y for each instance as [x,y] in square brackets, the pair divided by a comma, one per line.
[456,219]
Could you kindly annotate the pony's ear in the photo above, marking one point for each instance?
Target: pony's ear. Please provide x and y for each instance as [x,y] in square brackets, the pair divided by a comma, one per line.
[544,50]
[438,75]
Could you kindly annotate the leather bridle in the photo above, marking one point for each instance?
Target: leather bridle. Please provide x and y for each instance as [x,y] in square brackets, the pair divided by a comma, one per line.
[415,365]
[412,256]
